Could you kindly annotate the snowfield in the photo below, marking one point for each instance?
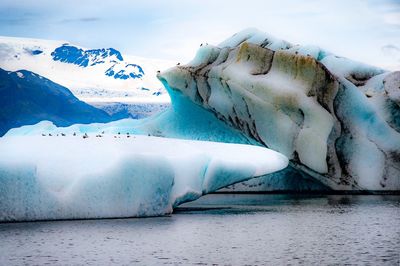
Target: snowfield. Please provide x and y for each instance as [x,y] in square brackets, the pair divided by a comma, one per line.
[71,177]
[93,75]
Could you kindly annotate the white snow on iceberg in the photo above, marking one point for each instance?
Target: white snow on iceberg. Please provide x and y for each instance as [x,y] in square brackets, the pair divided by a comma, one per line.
[68,177]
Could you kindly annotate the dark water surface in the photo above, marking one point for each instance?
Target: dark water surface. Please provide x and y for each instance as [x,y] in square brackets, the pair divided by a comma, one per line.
[221,229]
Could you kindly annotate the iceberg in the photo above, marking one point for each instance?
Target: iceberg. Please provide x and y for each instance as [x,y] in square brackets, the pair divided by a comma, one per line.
[338,121]
[121,175]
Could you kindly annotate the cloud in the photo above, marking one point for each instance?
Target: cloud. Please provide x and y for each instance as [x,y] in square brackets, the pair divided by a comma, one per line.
[15,17]
[174,29]
[78,20]
[392,18]
[391,51]
[390,47]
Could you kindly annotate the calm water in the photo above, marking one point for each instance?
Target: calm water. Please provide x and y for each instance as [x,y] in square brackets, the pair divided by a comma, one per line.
[221,230]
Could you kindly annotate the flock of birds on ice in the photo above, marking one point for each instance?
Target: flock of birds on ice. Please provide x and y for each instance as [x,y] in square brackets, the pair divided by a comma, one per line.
[85,136]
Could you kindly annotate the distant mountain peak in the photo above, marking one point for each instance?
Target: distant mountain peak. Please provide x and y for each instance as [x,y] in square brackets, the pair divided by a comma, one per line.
[71,54]
[119,69]
[124,72]
[93,75]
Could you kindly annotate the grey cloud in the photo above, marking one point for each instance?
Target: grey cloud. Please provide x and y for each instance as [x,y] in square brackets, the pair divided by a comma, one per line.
[85,19]
[390,48]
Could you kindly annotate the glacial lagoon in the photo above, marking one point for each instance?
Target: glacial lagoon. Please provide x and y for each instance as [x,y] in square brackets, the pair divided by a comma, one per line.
[221,229]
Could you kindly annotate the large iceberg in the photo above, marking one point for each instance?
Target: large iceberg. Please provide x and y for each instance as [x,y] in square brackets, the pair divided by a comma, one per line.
[121,175]
[337,120]
[184,120]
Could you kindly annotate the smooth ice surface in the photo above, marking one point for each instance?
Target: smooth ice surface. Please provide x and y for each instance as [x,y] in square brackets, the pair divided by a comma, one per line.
[67,177]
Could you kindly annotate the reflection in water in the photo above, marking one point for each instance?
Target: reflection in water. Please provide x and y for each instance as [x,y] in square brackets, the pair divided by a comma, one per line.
[227,229]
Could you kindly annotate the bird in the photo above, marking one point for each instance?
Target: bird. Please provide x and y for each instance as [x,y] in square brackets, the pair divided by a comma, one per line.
[62,134]
[50,135]
[43,134]
[178,64]
[85,136]
[74,134]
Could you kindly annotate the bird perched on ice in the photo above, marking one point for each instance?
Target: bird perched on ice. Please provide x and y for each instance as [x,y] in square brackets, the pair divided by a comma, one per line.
[85,136]
[178,64]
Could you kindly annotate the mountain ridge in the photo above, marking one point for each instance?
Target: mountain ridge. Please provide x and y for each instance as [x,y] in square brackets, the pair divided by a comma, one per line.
[28,98]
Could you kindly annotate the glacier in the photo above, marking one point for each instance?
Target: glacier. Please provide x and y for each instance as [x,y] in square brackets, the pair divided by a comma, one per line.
[71,177]
[335,119]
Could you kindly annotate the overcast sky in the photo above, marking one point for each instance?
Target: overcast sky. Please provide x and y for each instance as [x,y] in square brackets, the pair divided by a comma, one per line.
[367,31]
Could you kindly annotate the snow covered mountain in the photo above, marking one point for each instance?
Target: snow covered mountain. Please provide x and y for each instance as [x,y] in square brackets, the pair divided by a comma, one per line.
[93,75]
